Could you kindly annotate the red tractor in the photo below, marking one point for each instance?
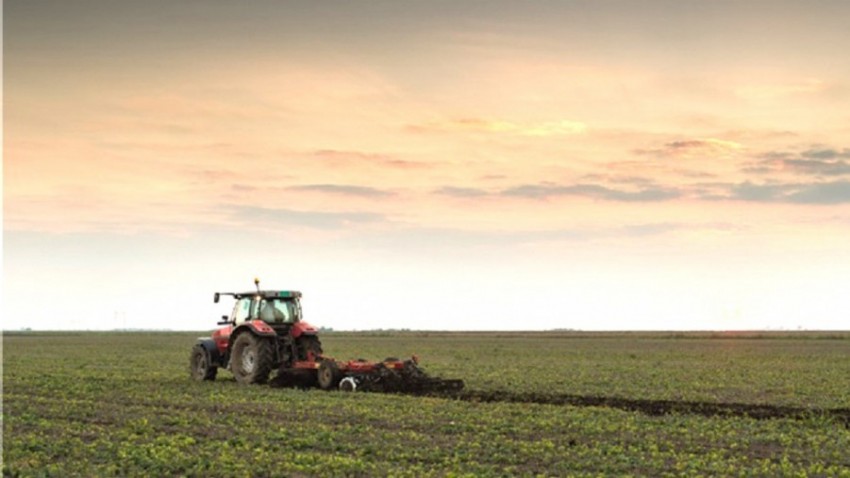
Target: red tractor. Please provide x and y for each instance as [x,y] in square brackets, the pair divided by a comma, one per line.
[265,333]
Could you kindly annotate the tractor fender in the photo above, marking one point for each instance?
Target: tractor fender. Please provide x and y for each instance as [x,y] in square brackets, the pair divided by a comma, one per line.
[303,328]
[256,327]
[211,348]
[259,328]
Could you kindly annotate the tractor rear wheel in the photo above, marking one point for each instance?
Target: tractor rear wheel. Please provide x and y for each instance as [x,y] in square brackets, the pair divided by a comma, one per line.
[252,358]
[308,344]
[200,364]
[329,375]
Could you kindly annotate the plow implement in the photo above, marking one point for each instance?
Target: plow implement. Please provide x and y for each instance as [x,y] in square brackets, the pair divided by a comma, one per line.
[388,376]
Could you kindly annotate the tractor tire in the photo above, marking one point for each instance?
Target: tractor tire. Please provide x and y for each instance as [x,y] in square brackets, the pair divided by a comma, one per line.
[201,366]
[252,358]
[329,375]
[307,344]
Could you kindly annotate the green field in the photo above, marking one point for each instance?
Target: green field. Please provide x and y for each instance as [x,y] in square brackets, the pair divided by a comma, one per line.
[122,404]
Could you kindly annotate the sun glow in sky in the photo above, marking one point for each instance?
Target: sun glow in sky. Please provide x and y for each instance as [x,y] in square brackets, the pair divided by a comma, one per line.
[449,165]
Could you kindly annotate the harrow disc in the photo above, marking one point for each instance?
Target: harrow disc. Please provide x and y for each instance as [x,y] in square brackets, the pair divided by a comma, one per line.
[409,379]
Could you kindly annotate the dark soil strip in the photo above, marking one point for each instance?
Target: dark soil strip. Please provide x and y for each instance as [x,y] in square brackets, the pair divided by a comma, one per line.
[646,406]
[658,407]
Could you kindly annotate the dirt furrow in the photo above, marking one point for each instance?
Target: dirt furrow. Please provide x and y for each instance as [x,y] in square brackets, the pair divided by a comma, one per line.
[657,407]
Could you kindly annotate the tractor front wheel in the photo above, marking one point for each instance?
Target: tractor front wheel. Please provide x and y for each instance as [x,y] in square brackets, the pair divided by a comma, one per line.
[200,364]
[252,358]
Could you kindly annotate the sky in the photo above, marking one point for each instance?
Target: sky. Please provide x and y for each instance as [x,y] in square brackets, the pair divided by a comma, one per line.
[592,165]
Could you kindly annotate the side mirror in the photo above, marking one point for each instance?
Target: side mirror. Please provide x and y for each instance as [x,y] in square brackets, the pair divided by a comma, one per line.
[215,298]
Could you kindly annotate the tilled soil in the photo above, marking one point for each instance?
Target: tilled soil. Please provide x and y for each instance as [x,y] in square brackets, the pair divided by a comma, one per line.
[656,407]
[646,406]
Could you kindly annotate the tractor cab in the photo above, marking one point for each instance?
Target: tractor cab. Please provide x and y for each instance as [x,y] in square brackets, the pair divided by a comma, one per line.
[270,306]
[279,311]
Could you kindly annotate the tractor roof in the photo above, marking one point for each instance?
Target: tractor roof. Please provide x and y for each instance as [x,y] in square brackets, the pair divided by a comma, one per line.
[271,294]
[265,294]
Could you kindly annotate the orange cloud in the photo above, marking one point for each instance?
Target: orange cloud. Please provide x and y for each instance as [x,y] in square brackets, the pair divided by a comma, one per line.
[480,125]
[693,147]
[359,158]
[774,90]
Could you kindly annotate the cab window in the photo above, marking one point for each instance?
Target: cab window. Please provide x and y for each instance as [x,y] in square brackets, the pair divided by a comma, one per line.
[275,311]
[241,310]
